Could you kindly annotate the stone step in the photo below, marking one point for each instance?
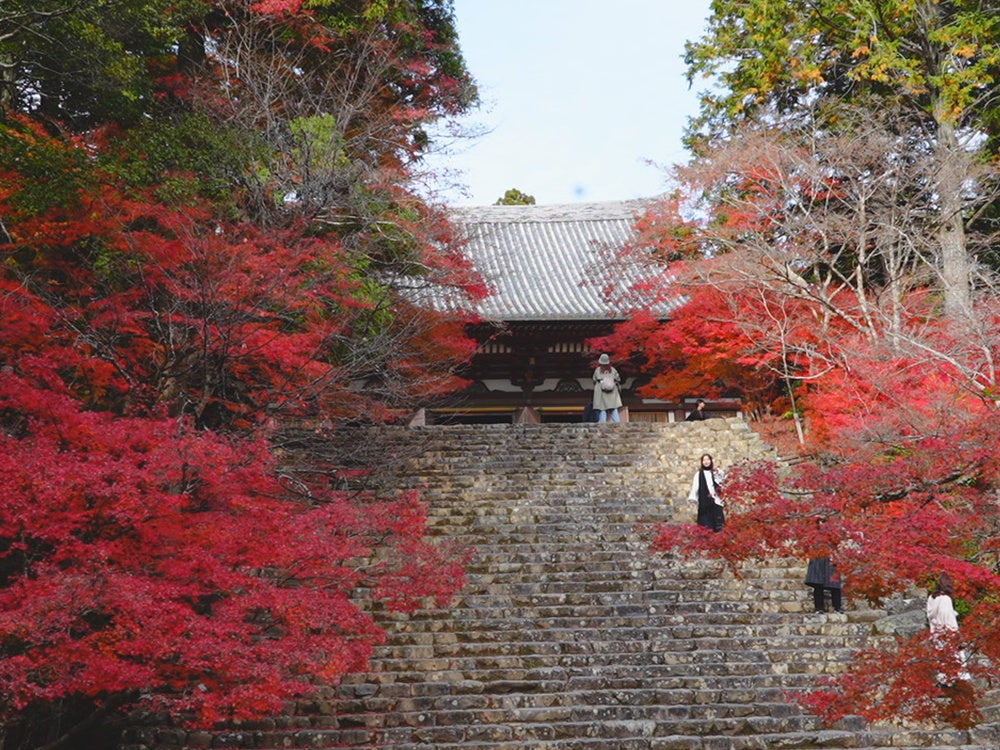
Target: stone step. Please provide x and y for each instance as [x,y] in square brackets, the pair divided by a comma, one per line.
[498,555]
[529,723]
[552,681]
[623,563]
[583,539]
[547,506]
[620,734]
[471,641]
[625,525]
[628,570]
[671,627]
[607,619]
[630,589]
[568,521]
[690,651]
[814,740]
[714,663]
[548,604]
[507,587]
[683,702]
[593,584]
[480,573]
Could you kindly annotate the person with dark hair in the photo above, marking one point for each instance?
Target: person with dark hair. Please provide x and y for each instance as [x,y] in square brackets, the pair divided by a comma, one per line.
[607,398]
[699,412]
[943,621]
[705,492]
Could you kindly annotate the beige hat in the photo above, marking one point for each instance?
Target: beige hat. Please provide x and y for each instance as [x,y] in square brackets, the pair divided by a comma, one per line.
[604,360]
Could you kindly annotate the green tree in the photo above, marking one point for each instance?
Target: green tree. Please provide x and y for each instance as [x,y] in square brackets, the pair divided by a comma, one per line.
[515,197]
[83,63]
[935,62]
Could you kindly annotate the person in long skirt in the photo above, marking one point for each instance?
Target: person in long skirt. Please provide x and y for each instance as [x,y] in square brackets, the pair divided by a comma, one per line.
[705,492]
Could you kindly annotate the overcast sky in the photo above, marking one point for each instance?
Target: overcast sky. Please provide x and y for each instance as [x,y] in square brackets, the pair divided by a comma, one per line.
[578,96]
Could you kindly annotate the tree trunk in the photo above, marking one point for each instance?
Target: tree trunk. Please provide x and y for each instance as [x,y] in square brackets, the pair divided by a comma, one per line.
[955,263]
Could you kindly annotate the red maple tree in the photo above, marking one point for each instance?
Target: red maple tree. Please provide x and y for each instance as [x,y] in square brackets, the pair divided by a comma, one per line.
[149,548]
[176,292]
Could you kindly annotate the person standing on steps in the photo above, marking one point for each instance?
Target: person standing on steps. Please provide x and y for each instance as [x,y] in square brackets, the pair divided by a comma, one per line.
[943,621]
[607,382]
[705,492]
[822,576]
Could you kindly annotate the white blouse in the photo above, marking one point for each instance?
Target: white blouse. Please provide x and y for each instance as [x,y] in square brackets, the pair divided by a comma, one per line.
[941,614]
[709,482]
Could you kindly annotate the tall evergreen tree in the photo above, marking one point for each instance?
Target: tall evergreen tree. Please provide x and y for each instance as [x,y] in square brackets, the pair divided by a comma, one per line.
[936,62]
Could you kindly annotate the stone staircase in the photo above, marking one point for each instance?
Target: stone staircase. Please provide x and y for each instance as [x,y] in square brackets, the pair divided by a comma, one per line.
[570,633]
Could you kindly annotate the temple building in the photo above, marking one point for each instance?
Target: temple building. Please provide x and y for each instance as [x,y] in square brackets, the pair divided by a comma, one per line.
[556,282]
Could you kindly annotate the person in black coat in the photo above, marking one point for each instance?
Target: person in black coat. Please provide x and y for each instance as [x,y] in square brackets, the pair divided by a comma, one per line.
[699,412]
[822,576]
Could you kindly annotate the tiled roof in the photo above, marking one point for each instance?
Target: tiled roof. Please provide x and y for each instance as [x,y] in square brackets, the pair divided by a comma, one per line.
[552,262]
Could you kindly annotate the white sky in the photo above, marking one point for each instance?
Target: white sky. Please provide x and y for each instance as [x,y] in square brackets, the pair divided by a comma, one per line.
[578,97]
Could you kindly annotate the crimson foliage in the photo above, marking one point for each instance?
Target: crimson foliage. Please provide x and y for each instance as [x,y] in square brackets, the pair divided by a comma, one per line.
[179,283]
[143,555]
[904,473]
[146,558]
[789,305]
